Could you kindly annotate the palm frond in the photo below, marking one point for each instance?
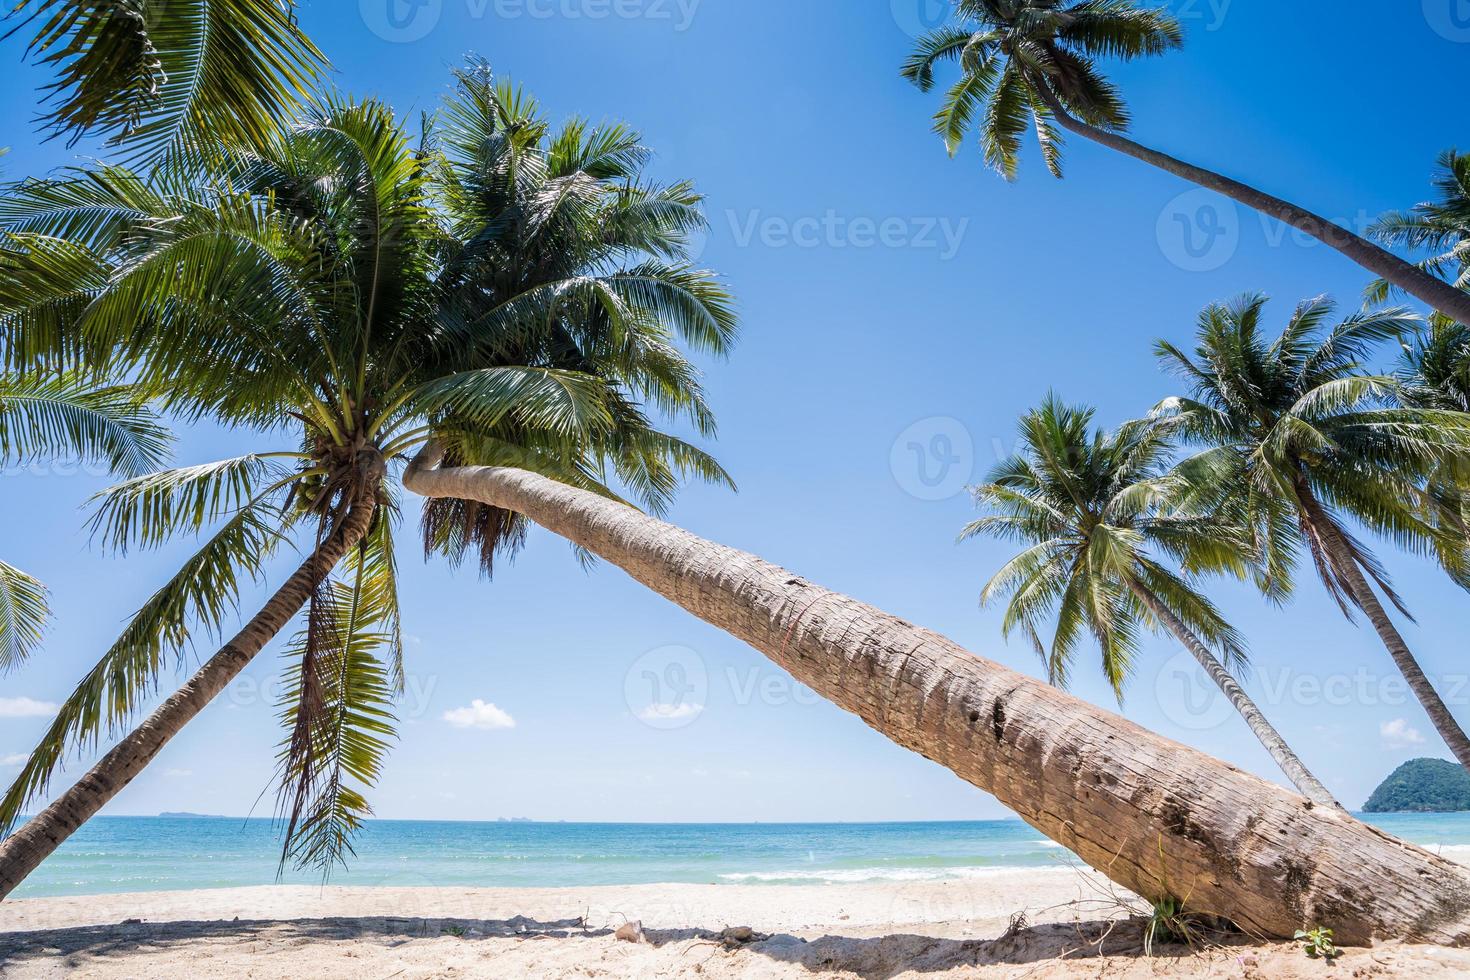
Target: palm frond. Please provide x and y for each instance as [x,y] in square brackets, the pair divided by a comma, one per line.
[337,708]
[23,615]
[200,597]
[149,510]
[166,78]
[44,416]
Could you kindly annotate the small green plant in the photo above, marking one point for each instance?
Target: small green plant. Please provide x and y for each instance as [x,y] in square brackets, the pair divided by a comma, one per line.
[1169,922]
[1318,943]
[457,931]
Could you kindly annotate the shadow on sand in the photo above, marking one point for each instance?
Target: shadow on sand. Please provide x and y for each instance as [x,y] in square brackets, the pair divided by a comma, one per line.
[872,958]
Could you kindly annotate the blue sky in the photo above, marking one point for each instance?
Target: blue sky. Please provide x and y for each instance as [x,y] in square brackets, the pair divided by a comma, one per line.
[891,298]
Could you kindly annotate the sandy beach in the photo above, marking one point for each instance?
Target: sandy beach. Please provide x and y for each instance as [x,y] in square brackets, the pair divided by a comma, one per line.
[1024,923]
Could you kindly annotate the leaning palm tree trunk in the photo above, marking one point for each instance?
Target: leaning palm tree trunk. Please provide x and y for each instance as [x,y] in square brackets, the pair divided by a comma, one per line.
[24,850]
[1155,816]
[1340,555]
[1302,778]
[1430,290]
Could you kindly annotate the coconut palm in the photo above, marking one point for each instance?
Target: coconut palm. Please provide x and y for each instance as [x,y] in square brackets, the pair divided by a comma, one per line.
[1434,373]
[1441,227]
[512,292]
[1157,817]
[1434,370]
[44,416]
[1032,64]
[169,77]
[1306,440]
[1092,510]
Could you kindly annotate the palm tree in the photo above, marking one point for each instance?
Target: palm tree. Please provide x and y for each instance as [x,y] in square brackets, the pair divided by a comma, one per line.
[49,415]
[1031,64]
[1441,227]
[510,291]
[161,78]
[1089,507]
[1155,816]
[1434,373]
[1305,439]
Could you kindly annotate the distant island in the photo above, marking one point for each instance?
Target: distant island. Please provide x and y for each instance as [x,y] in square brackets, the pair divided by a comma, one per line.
[185,815]
[1422,786]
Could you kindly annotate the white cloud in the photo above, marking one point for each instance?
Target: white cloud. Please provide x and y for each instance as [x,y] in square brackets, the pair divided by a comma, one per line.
[481,715]
[27,708]
[13,760]
[178,773]
[670,712]
[1399,734]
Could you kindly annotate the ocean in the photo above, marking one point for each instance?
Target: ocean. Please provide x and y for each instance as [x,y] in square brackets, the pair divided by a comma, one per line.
[128,854]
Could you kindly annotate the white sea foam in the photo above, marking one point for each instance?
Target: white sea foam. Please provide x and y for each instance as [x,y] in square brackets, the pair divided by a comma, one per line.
[848,875]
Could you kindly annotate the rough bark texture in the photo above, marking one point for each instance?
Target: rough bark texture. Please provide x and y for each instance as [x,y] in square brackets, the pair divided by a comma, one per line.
[1154,816]
[23,851]
[1434,292]
[1295,769]
[1340,554]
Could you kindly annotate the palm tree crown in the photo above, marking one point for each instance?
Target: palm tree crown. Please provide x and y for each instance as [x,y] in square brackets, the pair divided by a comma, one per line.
[1441,227]
[43,416]
[1434,373]
[1297,421]
[1303,439]
[512,293]
[1093,510]
[1021,60]
[165,78]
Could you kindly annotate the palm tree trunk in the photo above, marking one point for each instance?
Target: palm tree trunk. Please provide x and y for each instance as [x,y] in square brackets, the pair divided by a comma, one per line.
[1295,769]
[24,850]
[1432,291]
[1340,555]
[1153,815]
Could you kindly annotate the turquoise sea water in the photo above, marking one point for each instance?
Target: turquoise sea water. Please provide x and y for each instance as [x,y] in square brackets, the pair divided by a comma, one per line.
[125,854]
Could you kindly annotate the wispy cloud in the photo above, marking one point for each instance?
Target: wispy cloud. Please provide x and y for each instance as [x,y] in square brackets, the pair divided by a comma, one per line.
[27,708]
[1399,734]
[17,759]
[480,714]
[178,773]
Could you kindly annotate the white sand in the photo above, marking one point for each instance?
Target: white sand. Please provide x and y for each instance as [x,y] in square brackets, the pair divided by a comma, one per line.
[926,930]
